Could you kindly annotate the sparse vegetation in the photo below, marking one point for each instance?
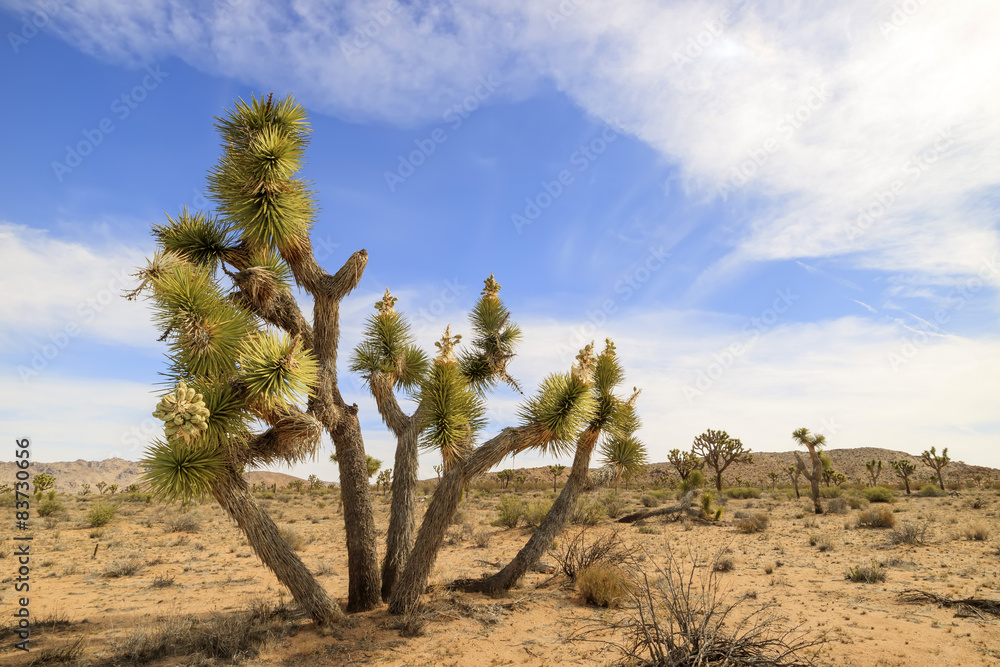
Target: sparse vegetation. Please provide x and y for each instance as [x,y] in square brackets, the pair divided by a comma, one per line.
[869,573]
[931,491]
[101,514]
[754,523]
[602,584]
[878,494]
[876,517]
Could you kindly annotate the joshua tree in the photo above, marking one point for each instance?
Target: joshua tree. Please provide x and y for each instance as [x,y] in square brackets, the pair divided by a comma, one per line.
[814,443]
[84,489]
[931,459]
[250,354]
[774,478]
[384,479]
[613,419]
[297,485]
[684,462]
[505,477]
[439,469]
[551,419]
[132,488]
[793,472]
[874,468]
[719,452]
[828,471]
[43,482]
[903,469]
[556,471]
[315,483]
[626,457]
[101,486]
[113,489]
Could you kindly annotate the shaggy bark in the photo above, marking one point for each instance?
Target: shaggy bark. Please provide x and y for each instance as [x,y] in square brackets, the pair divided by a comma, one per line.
[553,524]
[264,538]
[442,508]
[813,477]
[682,506]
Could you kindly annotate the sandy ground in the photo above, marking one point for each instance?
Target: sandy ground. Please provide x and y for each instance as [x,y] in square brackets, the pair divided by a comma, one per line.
[544,621]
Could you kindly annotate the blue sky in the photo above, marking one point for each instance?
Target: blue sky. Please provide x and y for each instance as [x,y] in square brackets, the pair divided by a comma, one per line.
[784,215]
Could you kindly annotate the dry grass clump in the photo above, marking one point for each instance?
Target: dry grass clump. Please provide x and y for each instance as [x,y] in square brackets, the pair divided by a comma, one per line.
[978,532]
[837,506]
[577,555]
[910,533]
[602,584]
[188,522]
[869,573]
[230,637]
[723,564]
[294,538]
[683,619]
[876,517]
[588,512]
[821,542]
[123,567]
[753,523]
[535,511]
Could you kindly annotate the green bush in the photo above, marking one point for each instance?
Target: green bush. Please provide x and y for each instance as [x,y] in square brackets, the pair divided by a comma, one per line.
[837,506]
[510,510]
[614,504]
[855,502]
[50,507]
[867,574]
[588,512]
[931,491]
[650,500]
[602,584]
[878,494]
[829,491]
[742,492]
[101,514]
[535,512]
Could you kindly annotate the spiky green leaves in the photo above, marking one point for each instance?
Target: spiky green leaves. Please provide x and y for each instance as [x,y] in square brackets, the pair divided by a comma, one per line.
[206,328]
[195,237]
[454,413]
[276,370]
[179,471]
[184,414]
[626,455]
[388,348]
[494,340]
[561,408]
[264,143]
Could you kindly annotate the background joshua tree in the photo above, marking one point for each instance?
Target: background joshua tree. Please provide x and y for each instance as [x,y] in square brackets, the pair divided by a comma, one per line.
[556,471]
[719,452]
[625,456]
[814,443]
[793,473]
[874,468]
[43,482]
[247,350]
[505,477]
[903,469]
[931,459]
[613,419]
[550,420]
[449,391]
[684,462]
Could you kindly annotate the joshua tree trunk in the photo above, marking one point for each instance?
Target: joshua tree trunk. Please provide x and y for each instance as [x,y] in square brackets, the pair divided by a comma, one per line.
[264,538]
[813,477]
[551,526]
[442,508]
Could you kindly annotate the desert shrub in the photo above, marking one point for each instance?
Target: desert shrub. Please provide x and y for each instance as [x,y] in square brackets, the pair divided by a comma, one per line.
[681,618]
[879,494]
[50,507]
[509,511]
[123,567]
[535,511]
[977,503]
[230,637]
[602,584]
[931,491]
[650,500]
[742,492]
[978,532]
[614,504]
[755,523]
[723,564]
[876,517]
[577,554]
[588,512]
[163,581]
[830,491]
[101,514]
[188,522]
[294,538]
[482,538]
[837,506]
[821,542]
[870,573]
[855,502]
[909,533]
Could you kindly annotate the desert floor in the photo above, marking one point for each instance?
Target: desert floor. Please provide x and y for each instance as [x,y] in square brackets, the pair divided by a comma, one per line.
[182,578]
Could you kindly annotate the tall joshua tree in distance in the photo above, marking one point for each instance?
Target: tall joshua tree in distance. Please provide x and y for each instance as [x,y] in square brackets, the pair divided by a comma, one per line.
[937,462]
[719,452]
[814,443]
[249,353]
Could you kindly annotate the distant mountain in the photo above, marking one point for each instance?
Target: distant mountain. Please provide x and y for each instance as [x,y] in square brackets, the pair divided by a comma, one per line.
[72,475]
